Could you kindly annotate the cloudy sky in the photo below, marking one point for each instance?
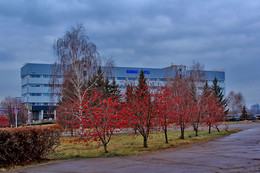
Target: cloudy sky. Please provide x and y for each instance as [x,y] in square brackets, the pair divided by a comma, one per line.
[221,34]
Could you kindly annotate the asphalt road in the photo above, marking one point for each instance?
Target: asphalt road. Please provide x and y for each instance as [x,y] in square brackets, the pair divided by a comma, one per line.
[238,152]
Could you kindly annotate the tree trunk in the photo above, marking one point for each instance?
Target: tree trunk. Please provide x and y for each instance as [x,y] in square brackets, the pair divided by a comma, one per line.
[209,129]
[196,130]
[145,142]
[71,132]
[105,148]
[217,128]
[166,137]
[182,133]
[226,127]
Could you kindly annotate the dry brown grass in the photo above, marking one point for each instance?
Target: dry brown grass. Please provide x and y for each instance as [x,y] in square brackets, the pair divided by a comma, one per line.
[125,144]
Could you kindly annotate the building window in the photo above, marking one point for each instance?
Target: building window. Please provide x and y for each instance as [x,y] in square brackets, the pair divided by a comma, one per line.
[152,79]
[35,75]
[110,78]
[35,85]
[162,79]
[35,94]
[46,76]
[146,72]
[121,78]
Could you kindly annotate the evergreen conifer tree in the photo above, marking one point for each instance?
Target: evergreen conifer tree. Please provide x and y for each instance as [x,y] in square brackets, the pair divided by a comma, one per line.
[194,90]
[142,85]
[113,89]
[206,89]
[244,115]
[141,80]
[101,84]
[219,94]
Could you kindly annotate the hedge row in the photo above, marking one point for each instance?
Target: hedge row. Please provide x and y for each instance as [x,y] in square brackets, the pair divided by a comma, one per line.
[21,146]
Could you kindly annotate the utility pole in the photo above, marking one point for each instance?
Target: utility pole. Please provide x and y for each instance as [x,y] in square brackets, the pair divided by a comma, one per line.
[16,112]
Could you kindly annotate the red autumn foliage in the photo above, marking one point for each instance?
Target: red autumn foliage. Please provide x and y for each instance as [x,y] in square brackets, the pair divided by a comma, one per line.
[181,104]
[163,98]
[198,117]
[98,120]
[140,109]
[144,108]
[214,111]
[3,121]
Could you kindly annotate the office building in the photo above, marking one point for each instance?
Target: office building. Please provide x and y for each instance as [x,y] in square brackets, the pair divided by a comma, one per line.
[255,108]
[41,102]
[36,90]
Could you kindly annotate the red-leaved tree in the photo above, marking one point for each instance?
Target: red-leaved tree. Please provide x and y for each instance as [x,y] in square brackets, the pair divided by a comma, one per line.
[214,111]
[99,119]
[181,104]
[162,100]
[3,121]
[139,109]
[198,102]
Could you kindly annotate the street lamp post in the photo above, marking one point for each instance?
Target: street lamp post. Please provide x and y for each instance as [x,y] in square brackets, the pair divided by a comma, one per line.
[16,112]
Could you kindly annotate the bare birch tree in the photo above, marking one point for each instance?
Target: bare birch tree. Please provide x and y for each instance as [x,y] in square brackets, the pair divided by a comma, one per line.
[235,103]
[78,61]
[197,80]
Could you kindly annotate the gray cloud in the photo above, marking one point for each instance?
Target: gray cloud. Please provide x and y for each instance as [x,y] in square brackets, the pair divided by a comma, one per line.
[221,34]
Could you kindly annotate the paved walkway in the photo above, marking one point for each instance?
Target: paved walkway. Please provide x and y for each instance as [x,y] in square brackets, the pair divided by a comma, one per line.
[238,152]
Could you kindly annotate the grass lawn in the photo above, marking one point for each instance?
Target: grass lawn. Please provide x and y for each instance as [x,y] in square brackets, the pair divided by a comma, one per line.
[126,144]
[236,122]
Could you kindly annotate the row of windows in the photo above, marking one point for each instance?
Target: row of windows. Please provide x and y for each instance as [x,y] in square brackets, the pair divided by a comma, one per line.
[43,76]
[41,85]
[42,104]
[119,78]
[110,78]
[134,79]
[40,94]
[43,94]
[149,79]
[123,87]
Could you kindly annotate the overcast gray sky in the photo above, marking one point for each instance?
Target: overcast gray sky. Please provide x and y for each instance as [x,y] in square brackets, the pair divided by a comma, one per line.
[221,34]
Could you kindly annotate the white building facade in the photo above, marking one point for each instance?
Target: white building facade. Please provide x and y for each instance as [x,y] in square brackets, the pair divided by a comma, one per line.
[36,87]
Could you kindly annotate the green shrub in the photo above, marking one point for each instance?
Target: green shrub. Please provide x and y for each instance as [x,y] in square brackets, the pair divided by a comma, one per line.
[23,145]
